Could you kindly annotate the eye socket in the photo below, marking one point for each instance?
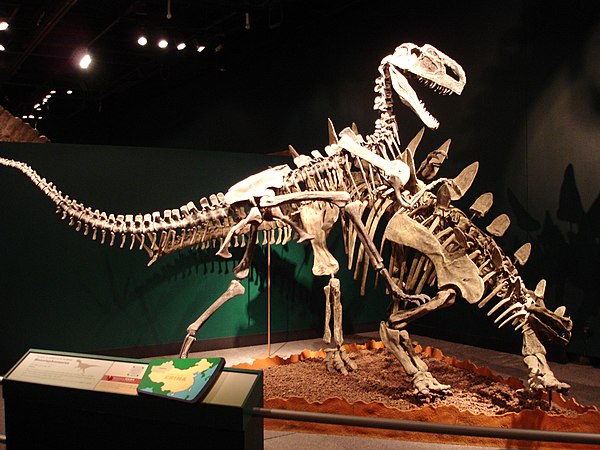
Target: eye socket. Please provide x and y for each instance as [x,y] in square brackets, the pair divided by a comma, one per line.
[451,73]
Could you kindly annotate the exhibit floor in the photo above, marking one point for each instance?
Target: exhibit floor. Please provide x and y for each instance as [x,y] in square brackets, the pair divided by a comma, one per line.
[584,379]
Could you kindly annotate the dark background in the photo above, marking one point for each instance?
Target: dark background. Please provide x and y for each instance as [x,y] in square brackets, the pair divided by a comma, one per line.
[530,112]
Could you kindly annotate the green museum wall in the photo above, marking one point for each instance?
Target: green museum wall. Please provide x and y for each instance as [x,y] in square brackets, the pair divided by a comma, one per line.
[61,290]
[529,114]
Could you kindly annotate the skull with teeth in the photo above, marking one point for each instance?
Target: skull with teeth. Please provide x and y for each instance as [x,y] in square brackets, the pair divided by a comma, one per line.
[431,67]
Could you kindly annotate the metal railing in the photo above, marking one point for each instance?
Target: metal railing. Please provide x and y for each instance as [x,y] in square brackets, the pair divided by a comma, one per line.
[429,427]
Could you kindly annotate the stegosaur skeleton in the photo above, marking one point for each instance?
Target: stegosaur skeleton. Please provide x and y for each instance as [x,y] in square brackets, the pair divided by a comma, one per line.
[433,246]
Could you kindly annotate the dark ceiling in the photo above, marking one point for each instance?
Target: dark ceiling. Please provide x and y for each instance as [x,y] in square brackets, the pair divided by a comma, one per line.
[272,70]
[46,38]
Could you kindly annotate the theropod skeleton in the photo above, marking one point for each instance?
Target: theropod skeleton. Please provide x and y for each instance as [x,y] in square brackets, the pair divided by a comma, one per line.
[433,246]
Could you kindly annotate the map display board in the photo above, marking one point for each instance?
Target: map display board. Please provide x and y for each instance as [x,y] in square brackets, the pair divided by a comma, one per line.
[187,380]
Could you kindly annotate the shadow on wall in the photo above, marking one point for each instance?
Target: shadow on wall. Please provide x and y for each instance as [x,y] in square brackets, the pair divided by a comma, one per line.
[568,256]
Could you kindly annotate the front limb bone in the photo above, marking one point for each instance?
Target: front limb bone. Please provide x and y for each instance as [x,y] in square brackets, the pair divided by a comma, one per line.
[353,210]
[540,375]
[234,289]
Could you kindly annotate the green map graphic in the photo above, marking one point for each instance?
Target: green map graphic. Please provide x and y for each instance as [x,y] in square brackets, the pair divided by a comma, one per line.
[180,379]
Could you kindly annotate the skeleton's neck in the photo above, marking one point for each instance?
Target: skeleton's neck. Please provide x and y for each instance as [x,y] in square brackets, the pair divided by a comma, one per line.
[385,139]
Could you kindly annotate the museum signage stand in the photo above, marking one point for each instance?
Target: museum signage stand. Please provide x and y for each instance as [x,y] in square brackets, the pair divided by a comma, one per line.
[70,400]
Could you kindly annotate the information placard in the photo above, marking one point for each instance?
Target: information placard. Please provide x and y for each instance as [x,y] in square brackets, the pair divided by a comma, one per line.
[78,372]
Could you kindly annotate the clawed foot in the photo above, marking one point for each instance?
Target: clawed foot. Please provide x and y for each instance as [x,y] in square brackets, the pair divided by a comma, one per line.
[427,386]
[337,360]
[546,381]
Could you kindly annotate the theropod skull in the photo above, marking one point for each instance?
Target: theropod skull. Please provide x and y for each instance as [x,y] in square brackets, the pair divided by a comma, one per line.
[431,67]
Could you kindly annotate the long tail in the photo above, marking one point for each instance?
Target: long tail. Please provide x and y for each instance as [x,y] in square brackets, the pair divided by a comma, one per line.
[158,234]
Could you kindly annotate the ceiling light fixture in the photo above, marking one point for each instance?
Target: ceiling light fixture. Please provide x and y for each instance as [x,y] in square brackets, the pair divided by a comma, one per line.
[181,46]
[3,25]
[200,48]
[2,48]
[69,92]
[142,40]
[163,43]
[85,61]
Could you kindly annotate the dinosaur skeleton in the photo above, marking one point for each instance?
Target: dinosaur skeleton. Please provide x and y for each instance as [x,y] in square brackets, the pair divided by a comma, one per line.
[433,246]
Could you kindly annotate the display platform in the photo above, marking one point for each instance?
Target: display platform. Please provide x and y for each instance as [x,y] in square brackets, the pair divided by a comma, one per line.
[70,400]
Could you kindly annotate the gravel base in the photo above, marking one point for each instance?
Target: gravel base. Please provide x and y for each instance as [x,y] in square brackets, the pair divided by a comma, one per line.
[380,378]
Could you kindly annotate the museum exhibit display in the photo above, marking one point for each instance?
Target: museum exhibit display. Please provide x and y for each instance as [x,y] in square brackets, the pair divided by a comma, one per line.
[362,179]
[394,223]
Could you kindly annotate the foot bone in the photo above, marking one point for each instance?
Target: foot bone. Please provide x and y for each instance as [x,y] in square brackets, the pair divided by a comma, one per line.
[337,360]
[426,385]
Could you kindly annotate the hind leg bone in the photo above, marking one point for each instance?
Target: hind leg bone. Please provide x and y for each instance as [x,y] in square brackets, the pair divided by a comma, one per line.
[397,340]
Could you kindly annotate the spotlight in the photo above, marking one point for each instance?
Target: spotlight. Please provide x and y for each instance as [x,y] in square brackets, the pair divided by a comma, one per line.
[2,48]
[36,106]
[53,92]
[142,40]
[85,61]
[31,116]
[69,92]
[163,43]
[200,48]
[181,46]
[3,25]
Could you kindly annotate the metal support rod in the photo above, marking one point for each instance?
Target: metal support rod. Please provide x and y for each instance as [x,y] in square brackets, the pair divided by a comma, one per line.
[268,299]
[428,427]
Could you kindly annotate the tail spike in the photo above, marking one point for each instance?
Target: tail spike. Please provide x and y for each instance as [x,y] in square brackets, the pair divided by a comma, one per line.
[540,289]
[499,225]
[482,205]
[333,139]
[464,180]
[443,196]
[414,143]
[431,164]
[412,183]
[522,254]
